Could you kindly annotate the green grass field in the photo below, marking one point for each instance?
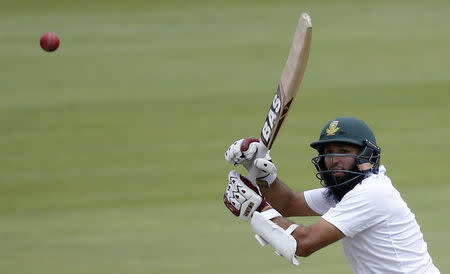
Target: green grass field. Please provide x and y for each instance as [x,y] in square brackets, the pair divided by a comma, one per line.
[111,148]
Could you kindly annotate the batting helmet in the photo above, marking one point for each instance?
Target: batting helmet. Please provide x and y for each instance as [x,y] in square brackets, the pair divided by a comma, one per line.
[347,130]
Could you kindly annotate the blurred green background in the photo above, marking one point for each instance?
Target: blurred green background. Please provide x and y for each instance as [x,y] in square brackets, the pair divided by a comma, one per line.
[111,148]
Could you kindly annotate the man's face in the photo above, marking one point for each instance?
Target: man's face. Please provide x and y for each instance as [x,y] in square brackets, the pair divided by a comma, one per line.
[340,162]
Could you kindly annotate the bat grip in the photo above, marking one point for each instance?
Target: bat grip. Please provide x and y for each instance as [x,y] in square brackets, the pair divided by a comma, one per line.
[253,171]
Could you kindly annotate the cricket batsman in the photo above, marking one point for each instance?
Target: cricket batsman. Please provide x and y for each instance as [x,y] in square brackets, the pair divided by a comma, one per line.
[357,202]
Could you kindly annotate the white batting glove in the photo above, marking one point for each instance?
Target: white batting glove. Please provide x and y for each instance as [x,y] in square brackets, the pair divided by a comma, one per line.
[241,197]
[244,151]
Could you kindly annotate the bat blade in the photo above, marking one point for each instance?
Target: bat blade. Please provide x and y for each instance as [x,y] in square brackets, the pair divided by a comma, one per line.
[290,81]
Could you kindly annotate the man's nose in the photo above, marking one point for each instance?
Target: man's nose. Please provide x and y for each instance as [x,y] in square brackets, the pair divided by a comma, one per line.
[336,160]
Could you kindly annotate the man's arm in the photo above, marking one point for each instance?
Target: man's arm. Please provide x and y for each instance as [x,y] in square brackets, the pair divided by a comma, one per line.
[242,198]
[281,197]
[289,203]
[311,238]
[284,200]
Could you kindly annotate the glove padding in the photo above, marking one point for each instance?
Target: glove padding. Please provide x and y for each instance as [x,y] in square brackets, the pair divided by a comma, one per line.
[241,197]
[244,151]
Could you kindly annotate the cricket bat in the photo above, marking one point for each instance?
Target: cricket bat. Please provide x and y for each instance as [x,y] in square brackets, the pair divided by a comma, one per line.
[288,87]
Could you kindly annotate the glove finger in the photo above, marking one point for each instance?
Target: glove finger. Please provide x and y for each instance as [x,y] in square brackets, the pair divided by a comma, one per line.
[249,147]
[234,153]
[265,165]
[232,200]
[228,155]
[250,153]
[241,195]
[230,206]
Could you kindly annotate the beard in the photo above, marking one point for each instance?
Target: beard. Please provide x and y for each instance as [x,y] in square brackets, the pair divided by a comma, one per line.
[337,187]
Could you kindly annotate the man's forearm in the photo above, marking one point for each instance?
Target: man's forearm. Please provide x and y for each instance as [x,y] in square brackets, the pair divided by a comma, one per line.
[284,200]
[279,195]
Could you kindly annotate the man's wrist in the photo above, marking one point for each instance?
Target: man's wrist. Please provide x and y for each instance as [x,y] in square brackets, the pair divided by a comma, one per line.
[266,184]
[262,184]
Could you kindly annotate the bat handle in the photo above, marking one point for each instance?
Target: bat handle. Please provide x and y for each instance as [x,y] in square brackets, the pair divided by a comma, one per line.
[253,171]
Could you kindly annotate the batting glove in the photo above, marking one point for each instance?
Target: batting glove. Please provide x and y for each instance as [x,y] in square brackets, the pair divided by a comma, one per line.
[241,197]
[244,152]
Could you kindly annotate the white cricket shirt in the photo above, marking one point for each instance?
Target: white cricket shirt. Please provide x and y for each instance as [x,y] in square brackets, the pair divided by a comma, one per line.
[382,234]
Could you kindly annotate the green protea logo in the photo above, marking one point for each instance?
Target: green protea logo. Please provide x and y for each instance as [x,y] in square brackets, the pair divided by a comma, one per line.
[332,128]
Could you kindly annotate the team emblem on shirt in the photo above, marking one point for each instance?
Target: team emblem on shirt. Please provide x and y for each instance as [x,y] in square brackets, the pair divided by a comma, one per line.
[332,128]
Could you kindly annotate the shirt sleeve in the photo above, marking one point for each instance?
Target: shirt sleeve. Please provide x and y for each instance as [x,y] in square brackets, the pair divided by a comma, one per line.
[356,212]
[316,200]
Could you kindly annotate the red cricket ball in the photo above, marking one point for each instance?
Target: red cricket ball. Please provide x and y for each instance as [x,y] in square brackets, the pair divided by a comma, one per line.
[49,41]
